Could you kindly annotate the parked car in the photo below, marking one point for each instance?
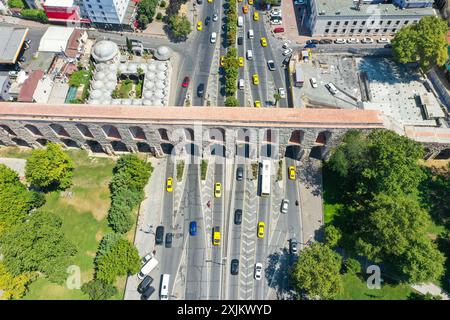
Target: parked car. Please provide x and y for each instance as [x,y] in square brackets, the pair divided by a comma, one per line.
[201,90]
[287,52]
[215,17]
[239,174]
[278,30]
[238,216]
[313,82]
[312,41]
[258,271]
[146,258]
[234,267]
[332,88]
[339,41]
[293,246]
[159,235]
[144,284]
[384,40]
[367,40]
[213,37]
[325,41]
[285,45]
[185,83]
[199,1]
[310,46]
[169,239]
[147,293]
[282,93]
[193,228]
[352,41]
[284,206]
[276,21]
[240,40]
[207,20]
[271,65]
[388,46]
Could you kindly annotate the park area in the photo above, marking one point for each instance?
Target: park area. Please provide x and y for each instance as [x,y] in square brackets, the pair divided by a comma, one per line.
[83,209]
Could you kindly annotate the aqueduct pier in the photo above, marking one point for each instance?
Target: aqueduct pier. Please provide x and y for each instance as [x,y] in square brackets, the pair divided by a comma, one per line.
[199,131]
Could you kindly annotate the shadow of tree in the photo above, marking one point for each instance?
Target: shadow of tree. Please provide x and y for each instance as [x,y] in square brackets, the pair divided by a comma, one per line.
[277,273]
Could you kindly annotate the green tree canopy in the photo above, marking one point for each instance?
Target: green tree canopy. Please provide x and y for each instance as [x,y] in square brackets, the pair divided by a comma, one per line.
[49,168]
[14,287]
[332,236]
[317,272]
[98,289]
[131,173]
[180,25]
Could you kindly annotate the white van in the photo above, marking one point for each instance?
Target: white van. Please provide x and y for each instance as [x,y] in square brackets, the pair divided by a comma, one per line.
[241,84]
[251,35]
[330,86]
[249,54]
[164,292]
[148,267]
[240,21]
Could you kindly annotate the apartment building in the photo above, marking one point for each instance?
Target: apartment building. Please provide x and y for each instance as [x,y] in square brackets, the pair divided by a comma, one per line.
[364,17]
[104,11]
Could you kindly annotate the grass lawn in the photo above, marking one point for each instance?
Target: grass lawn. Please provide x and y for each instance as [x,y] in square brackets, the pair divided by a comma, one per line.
[356,289]
[331,193]
[84,220]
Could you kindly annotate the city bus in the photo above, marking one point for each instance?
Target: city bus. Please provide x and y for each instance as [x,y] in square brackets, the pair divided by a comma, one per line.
[265,177]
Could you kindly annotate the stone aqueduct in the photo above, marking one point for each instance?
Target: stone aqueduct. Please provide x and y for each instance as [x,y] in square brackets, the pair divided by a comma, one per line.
[199,131]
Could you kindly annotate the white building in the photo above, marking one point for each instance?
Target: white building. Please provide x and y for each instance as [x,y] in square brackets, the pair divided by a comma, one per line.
[104,11]
[362,18]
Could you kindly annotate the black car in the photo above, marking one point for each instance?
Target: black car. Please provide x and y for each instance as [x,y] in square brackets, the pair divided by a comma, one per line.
[325,41]
[293,246]
[207,20]
[312,41]
[388,46]
[238,216]
[169,237]
[147,293]
[234,267]
[199,1]
[240,40]
[159,235]
[144,284]
[201,90]
[239,174]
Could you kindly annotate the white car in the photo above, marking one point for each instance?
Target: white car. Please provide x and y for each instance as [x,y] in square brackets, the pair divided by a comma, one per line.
[282,93]
[146,258]
[13,74]
[258,271]
[352,41]
[285,45]
[284,206]
[339,41]
[276,21]
[367,40]
[287,52]
[213,37]
[275,13]
[215,17]
[313,82]
[383,40]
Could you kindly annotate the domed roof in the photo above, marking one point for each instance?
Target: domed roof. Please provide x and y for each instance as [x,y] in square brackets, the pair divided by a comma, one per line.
[163,53]
[104,50]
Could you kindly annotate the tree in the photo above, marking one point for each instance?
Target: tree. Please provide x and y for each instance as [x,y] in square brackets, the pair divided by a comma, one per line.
[174,7]
[16,4]
[276,97]
[98,289]
[50,168]
[129,45]
[108,241]
[317,272]
[181,27]
[352,266]
[424,41]
[119,218]
[37,245]
[14,287]
[332,236]
[130,173]
[146,11]
[143,22]
[231,102]
[120,260]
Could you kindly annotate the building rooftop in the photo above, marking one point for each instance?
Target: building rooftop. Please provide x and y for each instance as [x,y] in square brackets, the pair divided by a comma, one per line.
[55,39]
[29,86]
[11,41]
[59,3]
[336,8]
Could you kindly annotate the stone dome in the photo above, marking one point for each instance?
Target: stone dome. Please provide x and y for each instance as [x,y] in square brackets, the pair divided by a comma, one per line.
[105,50]
[163,53]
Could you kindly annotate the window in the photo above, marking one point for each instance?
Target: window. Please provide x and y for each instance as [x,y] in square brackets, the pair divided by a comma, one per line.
[372,22]
[352,30]
[393,30]
[363,23]
[338,23]
[381,22]
[355,22]
[329,23]
[327,30]
[101,7]
[344,30]
[389,22]
[335,30]
[89,6]
[368,31]
[103,12]
[406,21]
[397,22]
[345,23]
[377,30]
[384,30]
[360,30]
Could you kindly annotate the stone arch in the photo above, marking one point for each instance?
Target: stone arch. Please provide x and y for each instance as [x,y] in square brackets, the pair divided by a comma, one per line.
[297,137]
[443,155]
[43,142]
[167,148]
[192,149]
[111,132]
[189,134]
[119,146]
[164,136]
[2,143]
[33,130]
[7,130]
[217,134]
[69,143]
[218,149]
[323,137]
[243,150]
[95,146]
[59,130]
[145,148]
[243,135]
[293,151]
[269,150]
[137,133]
[318,152]
[269,136]
[84,130]
[21,142]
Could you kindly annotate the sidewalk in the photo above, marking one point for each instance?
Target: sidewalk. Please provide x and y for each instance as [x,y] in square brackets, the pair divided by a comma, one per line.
[431,288]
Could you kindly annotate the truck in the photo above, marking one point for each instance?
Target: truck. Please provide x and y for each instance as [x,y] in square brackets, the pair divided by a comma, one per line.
[299,80]
[148,267]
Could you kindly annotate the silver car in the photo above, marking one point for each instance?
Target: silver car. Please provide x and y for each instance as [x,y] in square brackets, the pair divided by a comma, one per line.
[284,206]
[287,52]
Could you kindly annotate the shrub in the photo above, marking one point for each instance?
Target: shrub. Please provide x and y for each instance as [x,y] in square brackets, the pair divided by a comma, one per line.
[119,218]
[162,4]
[159,16]
[352,266]
[34,14]
[98,289]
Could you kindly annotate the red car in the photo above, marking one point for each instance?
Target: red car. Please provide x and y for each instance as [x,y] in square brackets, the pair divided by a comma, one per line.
[278,30]
[185,83]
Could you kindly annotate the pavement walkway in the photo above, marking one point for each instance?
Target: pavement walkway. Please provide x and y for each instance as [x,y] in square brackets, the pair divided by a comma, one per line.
[431,288]
[18,165]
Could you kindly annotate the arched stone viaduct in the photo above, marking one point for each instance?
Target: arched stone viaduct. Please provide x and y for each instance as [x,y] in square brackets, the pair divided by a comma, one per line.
[199,131]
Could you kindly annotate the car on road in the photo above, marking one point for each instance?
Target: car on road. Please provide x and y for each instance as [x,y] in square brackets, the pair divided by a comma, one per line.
[241,62]
[238,216]
[293,246]
[146,258]
[169,239]
[264,42]
[284,206]
[28,42]
[271,65]
[199,26]
[13,74]
[325,41]
[313,82]
[213,37]
[249,55]
[276,20]
[258,271]
[312,41]
[239,173]
[384,40]
[340,41]
[299,2]
[250,2]
[310,46]
[216,236]
[257,104]
[234,267]
[147,293]
[185,83]
[218,190]
[261,229]
[388,46]
[199,1]
[207,20]
[331,87]
[367,40]
[193,228]
[286,45]
[255,16]
[292,173]
[286,61]
[201,90]
[278,30]
[255,79]
[144,284]
[352,41]
[147,267]
[22,59]
[215,17]
[241,84]
[159,235]
[240,40]
[210,1]
[275,13]
[282,93]
[169,184]
[222,61]
[245,9]
[287,52]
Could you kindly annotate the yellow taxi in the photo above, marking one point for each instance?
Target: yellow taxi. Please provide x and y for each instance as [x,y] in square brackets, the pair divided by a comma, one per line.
[222,61]
[261,227]
[210,1]
[255,16]
[199,26]
[245,9]
[217,190]
[264,42]
[169,184]
[241,61]
[255,79]
[216,236]
[257,104]
[250,1]
[292,173]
